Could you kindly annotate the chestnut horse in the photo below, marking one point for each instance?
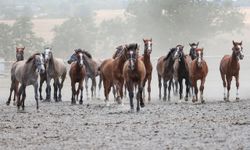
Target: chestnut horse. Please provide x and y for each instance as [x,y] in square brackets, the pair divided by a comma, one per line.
[14,84]
[148,65]
[198,71]
[229,67]
[134,74]
[77,73]
[165,71]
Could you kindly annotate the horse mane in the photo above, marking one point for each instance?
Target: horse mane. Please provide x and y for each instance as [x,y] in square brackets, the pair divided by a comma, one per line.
[132,46]
[31,57]
[84,52]
[169,53]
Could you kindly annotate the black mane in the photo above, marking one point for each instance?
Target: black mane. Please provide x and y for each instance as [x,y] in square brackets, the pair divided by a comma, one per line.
[169,53]
[31,58]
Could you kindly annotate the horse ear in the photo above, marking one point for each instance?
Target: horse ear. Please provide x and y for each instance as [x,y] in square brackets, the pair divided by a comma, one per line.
[190,45]
[143,40]
[240,42]
[197,43]
[150,39]
[233,42]
[16,49]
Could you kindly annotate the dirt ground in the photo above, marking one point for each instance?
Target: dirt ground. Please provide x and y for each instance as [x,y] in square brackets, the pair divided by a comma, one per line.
[93,125]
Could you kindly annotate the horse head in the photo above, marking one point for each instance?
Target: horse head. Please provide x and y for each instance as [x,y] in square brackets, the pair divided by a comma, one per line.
[147,46]
[19,53]
[192,52]
[199,54]
[179,52]
[38,61]
[48,54]
[80,58]
[132,54]
[238,50]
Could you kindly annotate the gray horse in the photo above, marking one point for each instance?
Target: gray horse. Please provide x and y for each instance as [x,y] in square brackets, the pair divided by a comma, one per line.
[26,73]
[55,69]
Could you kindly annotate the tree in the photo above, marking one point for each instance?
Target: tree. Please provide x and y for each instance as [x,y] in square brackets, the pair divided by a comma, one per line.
[6,43]
[74,33]
[173,22]
[22,34]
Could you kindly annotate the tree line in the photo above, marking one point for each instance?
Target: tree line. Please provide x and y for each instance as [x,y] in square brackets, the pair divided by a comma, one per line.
[166,21]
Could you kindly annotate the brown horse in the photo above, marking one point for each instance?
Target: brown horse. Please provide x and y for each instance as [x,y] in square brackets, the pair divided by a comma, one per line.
[77,73]
[198,71]
[14,83]
[134,74]
[165,71]
[148,65]
[229,67]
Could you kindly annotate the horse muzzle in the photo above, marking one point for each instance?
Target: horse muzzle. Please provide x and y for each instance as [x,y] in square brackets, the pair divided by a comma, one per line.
[241,57]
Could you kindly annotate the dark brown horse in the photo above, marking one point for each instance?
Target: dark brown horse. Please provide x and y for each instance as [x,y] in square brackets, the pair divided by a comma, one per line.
[165,71]
[134,73]
[198,71]
[229,67]
[192,52]
[77,73]
[148,65]
[14,84]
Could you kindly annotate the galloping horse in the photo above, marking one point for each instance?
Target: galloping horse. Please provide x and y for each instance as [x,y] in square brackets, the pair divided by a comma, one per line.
[198,71]
[91,68]
[192,52]
[14,84]
[56,69]
[77,73]
[26,73]
[165,70]
[181,70]
[134,73]
[229,67]
[148,65]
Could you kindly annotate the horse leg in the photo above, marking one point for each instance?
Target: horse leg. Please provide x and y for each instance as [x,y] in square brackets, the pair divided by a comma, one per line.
[201,90]
[23,96]
[229,79]
[36,94]
[165,84]
[56,88]
[159,85]
[60,87]
[20,91]
[48,89]
[12,86]
[86,86]
[93,88]
[187,83]
[224,85]
[107,88]
[176,87]
[169,88]
[237,86]
[181,87]
[140,90]
[81,90]
[149,88]
[99,85]
[195,98]
[40,87]
[73,89]
[120,85]
[131,95]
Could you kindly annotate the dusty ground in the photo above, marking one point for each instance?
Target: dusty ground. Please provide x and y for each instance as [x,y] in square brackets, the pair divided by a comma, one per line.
[160,125]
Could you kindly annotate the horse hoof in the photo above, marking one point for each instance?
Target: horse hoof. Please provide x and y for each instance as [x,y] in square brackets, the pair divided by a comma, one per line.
[202,101]
[186,99]
[237,99]
[131,110]
[164,99]
[138,109]
[73,102]
[80,102]
[7,103]
[142,105]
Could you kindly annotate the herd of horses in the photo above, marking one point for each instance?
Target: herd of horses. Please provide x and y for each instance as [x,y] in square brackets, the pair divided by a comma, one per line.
[126,69]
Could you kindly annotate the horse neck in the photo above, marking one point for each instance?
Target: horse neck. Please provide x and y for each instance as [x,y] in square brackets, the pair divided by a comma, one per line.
[233,60]
[146,57]
[121,59]
[51,63]
[29,69]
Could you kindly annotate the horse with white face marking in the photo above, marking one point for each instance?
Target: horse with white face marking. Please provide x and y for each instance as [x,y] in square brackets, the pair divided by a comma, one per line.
[55,69]
[229,67]
[198,71]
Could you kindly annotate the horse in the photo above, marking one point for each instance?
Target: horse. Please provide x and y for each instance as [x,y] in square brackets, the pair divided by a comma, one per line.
[55,69]
[14,83]
[192,52]
[111,72]
[148,65]
[134,73]
[181,70]
[198,71]
[165,71]
[77,73]
[229,67]
[92,70]
[26,73]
